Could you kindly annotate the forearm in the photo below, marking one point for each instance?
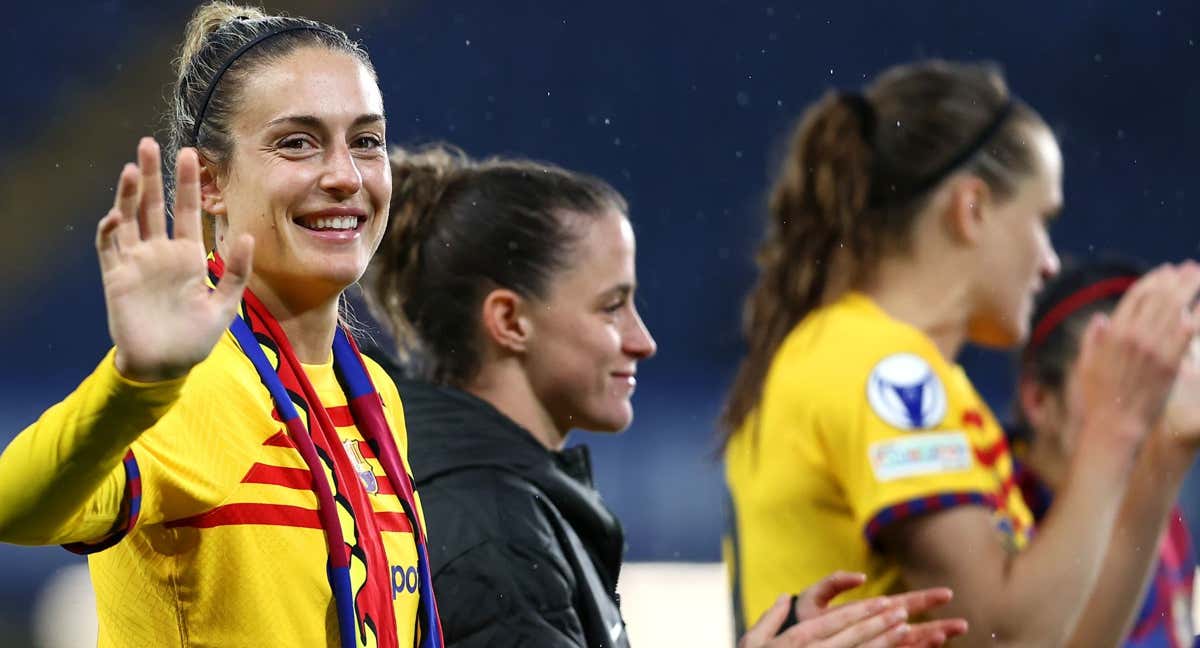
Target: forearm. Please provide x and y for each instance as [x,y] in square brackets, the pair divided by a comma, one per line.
[1030,597]
[1133,552]
[61,479]
[1045,587]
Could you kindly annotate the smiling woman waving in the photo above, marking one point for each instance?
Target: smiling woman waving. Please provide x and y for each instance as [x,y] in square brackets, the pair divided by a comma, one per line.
[240,484]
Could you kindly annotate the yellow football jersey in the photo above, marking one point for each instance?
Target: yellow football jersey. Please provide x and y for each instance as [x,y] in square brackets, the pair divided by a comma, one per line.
[861,423]
[227,549]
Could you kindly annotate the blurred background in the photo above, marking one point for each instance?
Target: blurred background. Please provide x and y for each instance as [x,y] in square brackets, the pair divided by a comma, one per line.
[683,106]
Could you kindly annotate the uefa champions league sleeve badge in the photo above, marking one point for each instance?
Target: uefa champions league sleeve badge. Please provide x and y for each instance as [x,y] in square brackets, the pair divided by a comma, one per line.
[906,393]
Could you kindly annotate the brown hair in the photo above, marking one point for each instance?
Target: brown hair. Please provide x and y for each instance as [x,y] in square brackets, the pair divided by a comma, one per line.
[460,228]
[216,31]
[859,170]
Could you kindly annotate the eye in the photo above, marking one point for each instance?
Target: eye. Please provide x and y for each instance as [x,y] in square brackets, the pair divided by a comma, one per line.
[294,143]
[368,142]
[613,307]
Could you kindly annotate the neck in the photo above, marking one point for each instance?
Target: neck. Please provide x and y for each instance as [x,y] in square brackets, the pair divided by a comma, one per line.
[929,295]
[308,323]
[1048,460]
[506,388]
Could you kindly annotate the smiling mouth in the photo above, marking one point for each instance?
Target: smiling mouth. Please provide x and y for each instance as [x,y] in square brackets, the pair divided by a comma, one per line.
[331,223]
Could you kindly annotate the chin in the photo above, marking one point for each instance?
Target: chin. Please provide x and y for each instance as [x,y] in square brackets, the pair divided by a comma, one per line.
[612,421]
[997,333]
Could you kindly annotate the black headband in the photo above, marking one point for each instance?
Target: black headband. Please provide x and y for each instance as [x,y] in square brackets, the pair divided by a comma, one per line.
[867,118]
[966,153]
[212,85]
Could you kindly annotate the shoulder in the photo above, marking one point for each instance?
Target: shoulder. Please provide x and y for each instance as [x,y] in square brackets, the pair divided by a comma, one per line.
[487,505]
[383,383]
[838,349]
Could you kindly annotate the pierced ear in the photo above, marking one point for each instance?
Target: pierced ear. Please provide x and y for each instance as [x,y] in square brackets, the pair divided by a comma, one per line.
[504,320]
[966,214]
[212,200]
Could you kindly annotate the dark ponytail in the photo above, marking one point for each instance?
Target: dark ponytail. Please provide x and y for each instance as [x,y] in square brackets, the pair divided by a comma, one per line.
[827,180]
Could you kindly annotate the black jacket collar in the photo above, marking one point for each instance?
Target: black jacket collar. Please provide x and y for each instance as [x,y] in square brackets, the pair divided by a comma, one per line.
[451,430]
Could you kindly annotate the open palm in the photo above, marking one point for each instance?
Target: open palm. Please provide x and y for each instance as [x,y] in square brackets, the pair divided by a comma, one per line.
[161,316]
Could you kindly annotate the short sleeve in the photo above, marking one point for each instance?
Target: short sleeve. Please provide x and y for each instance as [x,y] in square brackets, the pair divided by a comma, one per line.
[903,442]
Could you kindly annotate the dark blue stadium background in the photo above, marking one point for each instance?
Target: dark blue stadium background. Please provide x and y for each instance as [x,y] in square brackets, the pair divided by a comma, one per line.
[682,105]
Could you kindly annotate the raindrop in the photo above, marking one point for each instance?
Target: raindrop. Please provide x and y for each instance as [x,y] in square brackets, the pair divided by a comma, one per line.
[468,42]
[616,141]
[737,154]
[830,71]
[743,99]
[607,121]
[1097,57]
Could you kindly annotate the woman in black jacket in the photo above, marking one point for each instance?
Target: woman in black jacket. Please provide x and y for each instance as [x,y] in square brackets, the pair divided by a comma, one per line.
[509,287]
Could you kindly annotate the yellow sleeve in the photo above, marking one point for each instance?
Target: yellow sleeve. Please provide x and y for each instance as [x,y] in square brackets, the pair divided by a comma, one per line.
[897,445]
[61,479]
[198,452]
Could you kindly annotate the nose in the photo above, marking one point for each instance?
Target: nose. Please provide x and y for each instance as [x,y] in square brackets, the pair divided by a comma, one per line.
[1051,264]
[341,175]
[637,341]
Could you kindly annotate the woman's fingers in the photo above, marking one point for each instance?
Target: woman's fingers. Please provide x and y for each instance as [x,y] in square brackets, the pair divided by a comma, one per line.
[126,203]
[815,599]
[106,242]
[934,633]
[187,195]
[237,273]
[922,601]
[767,625]
[861,623]
[152,217]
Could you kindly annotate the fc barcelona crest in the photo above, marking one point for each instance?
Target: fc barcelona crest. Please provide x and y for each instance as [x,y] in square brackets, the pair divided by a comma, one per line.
[365,474]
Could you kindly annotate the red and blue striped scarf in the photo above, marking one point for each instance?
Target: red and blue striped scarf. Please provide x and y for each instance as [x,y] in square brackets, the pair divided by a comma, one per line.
[364,608]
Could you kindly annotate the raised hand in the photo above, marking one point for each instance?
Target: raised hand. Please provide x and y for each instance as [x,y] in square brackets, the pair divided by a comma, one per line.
[161,316]
[1181,423]
[1129,362]
[874,623]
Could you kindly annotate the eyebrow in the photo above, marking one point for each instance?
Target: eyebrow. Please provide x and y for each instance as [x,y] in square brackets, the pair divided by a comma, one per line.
[624,290]
[312,121]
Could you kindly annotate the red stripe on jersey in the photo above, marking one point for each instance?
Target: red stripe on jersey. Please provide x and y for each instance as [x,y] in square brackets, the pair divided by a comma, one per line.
[385,485]
[264,514]
[279,440]
[298,478]
[393,522]
[988,456]
[972,418]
